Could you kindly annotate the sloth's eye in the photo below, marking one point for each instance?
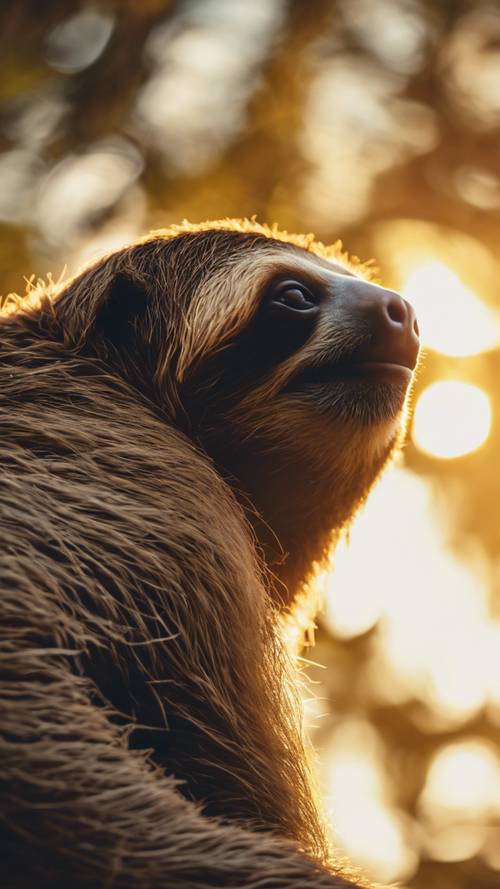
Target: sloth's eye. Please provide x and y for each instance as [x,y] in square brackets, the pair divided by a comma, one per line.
[295,296]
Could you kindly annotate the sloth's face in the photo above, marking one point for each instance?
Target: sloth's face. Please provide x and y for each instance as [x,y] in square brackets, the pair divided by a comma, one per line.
[321,342]
[303,404]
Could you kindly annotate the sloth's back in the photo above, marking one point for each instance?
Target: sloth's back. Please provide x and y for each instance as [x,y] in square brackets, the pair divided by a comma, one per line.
[108,520]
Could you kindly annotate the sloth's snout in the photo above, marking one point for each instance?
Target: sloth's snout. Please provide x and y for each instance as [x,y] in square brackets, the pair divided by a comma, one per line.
[392,324]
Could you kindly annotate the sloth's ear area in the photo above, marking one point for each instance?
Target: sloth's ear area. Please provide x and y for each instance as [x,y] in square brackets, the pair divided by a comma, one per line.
[102,307]
[119,315]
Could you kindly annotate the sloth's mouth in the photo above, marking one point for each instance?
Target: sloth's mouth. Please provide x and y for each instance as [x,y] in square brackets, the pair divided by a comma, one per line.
[374,371]
[389,370]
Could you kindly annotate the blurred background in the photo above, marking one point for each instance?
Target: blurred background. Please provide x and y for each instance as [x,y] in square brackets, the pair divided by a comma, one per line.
[376,121]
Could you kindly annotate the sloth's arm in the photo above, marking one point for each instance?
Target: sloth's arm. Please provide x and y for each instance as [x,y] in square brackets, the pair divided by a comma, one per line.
[79,808]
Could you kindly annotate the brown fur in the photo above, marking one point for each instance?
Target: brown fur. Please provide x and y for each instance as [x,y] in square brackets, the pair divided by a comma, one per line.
[150,729]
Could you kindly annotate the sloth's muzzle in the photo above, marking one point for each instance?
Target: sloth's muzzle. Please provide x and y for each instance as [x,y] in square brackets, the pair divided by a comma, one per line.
[394,333]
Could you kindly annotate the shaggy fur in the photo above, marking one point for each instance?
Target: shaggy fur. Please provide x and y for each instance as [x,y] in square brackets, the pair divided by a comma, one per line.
[152,486]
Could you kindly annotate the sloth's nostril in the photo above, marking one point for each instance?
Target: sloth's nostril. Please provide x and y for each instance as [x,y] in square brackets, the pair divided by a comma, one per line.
[396,310]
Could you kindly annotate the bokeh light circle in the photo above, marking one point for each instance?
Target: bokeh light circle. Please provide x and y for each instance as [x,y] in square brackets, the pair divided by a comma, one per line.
[451,419]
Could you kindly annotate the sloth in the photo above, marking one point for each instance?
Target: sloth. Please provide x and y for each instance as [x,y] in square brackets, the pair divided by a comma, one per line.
[186,428]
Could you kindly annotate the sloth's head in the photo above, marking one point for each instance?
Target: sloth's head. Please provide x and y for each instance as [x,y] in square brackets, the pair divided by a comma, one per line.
[274,354]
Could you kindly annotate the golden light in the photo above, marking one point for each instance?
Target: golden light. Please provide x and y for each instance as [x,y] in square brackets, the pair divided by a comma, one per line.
[493,660]
[370,829]
[455,842]
[452,318]
[352,606]
[451,418]
[463,782]
[435,638]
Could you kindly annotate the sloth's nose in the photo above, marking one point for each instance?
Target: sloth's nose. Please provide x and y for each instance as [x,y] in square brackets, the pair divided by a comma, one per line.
[391,322]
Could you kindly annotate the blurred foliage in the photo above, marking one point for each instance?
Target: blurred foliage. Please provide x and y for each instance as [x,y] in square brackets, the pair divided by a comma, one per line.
[348,118]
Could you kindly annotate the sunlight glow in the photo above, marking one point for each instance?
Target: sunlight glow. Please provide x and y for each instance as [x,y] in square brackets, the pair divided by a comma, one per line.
[435,639]
[463,780]
[434,642]
[451,419]
[367,824]
[452,319]
[456,842]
